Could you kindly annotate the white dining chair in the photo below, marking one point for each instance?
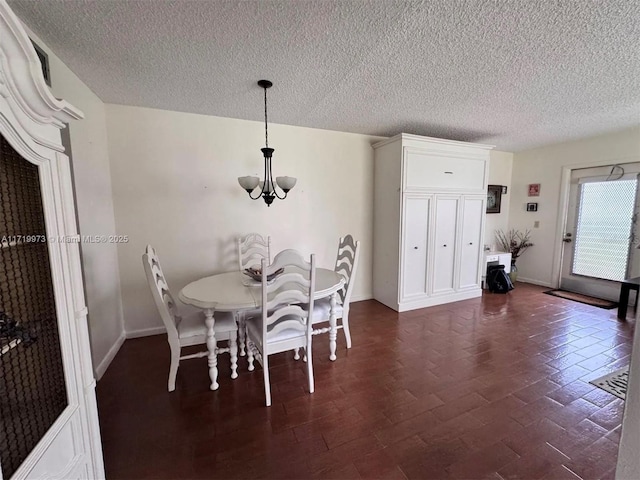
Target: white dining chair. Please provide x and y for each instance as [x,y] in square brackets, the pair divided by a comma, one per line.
[284,322]
[252,248]
[190,329]
[346,265]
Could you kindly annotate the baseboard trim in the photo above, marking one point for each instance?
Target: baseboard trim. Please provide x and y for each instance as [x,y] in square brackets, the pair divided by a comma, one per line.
[361,297]
[146,332]
[433,300]
[534,282]
[108,358]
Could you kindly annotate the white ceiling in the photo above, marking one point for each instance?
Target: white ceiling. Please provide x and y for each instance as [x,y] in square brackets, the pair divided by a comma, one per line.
[514,73]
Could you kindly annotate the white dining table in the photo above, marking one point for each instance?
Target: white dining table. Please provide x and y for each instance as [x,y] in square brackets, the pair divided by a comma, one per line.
[237,293]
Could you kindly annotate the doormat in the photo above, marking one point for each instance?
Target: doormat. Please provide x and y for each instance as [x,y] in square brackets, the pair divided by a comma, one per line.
[615,382]
[577,297]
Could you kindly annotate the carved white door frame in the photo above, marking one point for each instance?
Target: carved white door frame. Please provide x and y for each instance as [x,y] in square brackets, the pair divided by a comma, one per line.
[30,120]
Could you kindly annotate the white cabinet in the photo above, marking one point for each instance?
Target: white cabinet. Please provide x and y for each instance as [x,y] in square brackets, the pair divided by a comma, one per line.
[415,246]
[429,211]
[444,231]
[427,169]
[471,248]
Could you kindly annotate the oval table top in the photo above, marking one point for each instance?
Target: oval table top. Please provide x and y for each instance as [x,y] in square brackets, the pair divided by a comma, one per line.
[227,292]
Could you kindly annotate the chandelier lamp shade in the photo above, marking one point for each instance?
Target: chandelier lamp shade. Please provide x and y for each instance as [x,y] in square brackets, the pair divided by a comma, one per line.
[266,188]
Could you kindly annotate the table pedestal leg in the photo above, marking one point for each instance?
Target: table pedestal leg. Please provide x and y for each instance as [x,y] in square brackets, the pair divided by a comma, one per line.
[212,359]
[333,330]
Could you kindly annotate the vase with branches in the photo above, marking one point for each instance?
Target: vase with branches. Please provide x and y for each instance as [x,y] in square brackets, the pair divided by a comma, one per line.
[516,242]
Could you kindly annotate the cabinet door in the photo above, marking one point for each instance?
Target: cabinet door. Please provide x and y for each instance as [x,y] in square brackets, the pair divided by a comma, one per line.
[472,216]
[444,171]
[446,218]
[415,229]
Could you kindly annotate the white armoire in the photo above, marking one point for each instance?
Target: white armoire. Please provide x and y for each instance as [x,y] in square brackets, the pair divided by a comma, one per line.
[429,212]
[48,415]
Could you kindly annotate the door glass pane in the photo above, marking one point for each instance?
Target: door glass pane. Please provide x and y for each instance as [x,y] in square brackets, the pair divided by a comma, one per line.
[603,229]
[32,386]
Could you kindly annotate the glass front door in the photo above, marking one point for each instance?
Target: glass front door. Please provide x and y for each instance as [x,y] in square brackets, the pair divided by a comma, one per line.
[598,248]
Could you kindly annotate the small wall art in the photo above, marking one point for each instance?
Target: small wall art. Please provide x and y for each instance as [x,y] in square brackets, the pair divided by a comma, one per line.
[532,207]
[534,189]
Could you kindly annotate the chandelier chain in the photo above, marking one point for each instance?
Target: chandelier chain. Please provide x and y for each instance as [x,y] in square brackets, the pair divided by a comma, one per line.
[266,135]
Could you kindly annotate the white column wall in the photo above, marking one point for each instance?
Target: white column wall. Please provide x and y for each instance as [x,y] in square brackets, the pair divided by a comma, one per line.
[628,467]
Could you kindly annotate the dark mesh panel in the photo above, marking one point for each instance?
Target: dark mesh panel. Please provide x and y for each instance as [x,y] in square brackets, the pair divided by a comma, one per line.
[32,386]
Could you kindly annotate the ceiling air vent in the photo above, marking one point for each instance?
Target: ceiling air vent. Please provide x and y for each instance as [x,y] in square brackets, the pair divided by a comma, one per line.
[44,61]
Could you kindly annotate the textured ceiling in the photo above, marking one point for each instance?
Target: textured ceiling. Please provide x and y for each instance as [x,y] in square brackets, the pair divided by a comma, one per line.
[514,73]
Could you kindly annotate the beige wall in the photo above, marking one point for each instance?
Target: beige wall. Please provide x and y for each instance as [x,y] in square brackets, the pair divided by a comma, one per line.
[175,187]
[500,171]
[544,166]
[92,183]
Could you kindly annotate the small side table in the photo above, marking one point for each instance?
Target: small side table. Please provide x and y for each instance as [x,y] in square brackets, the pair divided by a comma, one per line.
[625,287]
[503,258]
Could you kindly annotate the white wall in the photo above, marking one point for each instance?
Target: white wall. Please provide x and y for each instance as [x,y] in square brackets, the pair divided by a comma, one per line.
[500,172]
[544,166]
[175,186]
[92,183]
[628,467]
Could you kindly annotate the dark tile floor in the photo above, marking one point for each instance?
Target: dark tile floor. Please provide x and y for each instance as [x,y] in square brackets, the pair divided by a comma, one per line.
[495,387]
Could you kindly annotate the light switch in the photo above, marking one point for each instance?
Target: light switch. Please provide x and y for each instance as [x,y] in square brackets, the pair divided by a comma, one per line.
[536,224]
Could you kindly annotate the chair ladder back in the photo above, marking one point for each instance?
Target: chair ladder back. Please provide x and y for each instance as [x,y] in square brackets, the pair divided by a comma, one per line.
[288,299]
[346,265]
[164,301]
[252,249]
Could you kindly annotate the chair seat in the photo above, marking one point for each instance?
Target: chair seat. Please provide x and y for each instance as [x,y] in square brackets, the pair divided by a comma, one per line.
[322,310]
[254,328]
[192,325]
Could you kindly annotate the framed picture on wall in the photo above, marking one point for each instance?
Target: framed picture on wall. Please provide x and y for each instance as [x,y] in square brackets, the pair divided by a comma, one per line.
[534,189]
[494,197]
[532,207]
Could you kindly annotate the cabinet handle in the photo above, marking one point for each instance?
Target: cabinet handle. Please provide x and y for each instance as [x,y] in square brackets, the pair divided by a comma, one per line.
[415,248]
[470,243]
[444,245]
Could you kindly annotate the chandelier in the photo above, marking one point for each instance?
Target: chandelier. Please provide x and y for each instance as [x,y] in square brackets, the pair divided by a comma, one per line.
[266,187]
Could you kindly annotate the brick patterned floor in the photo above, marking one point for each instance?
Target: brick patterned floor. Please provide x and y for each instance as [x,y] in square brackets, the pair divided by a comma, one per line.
[495,387]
